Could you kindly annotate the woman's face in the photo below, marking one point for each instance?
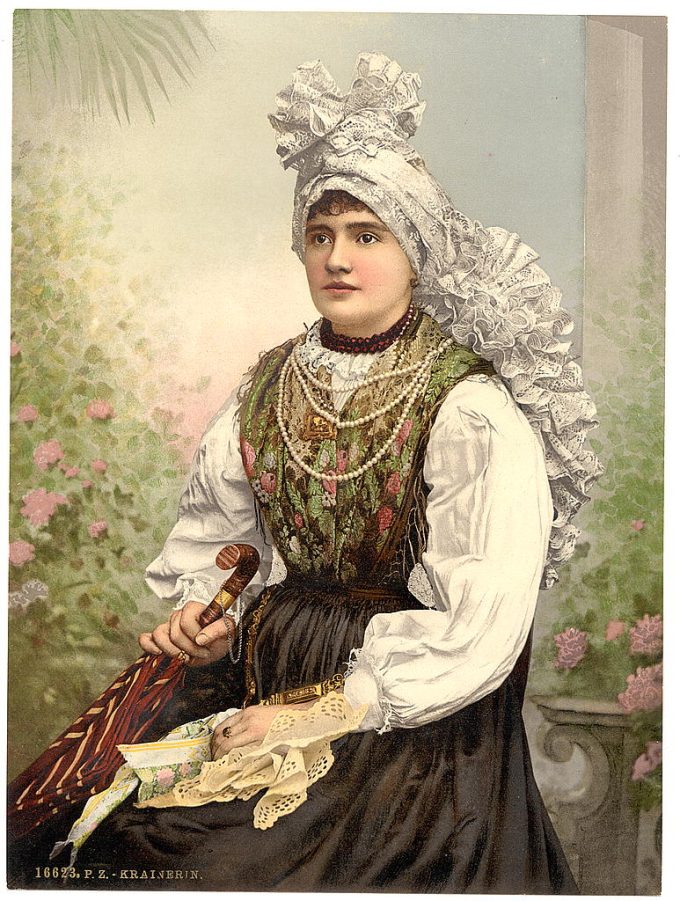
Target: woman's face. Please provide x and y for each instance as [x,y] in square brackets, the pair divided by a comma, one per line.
[359,277]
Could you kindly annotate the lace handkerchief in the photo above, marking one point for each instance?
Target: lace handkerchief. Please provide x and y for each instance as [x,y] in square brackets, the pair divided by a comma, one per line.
[295,753]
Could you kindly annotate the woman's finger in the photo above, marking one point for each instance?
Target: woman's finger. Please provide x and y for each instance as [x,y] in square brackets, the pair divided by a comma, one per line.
[161,637]
[182,641]
[188,618]
[216,630]
[222,746]
[234,718]
[147,644]
[243,728]
[230,733]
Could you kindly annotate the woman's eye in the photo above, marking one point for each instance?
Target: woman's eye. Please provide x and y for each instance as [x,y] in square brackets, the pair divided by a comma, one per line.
[321,239]
[367,238]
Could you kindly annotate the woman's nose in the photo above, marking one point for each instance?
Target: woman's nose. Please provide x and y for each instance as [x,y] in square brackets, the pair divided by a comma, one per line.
[339,258]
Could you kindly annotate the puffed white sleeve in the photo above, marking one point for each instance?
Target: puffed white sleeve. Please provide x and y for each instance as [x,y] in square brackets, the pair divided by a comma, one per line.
[489,515]
[216,508]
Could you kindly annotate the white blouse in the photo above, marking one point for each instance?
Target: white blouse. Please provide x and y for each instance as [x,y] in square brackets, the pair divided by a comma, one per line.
[489,514]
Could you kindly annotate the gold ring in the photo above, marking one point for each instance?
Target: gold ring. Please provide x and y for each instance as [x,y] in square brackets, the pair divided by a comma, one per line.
[183,657]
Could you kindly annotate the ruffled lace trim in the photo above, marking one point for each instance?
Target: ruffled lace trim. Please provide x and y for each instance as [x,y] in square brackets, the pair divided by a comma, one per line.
[279,571]
[350,369]
[358,657]
[420,586]
[194,590]
[499,303]
[311,109]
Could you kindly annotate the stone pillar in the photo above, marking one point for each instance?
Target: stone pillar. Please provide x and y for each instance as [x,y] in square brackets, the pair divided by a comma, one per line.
[595,821]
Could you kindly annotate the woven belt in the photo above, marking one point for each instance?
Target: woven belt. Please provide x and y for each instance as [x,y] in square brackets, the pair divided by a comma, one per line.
[306,692]
[395,596]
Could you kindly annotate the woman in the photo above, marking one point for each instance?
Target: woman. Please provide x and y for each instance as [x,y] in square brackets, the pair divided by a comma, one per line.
[386,461]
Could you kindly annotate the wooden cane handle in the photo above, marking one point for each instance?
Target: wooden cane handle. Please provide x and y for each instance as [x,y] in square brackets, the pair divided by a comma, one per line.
[246,561]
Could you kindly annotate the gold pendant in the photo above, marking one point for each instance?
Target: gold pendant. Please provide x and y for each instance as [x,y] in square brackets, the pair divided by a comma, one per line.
[316,428]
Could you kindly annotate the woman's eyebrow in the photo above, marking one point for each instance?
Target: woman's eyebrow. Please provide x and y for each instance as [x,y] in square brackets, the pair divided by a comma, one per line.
[318,227]
[370,226]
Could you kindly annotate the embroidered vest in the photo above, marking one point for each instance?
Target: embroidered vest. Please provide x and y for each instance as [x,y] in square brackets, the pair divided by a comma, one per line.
[369,530]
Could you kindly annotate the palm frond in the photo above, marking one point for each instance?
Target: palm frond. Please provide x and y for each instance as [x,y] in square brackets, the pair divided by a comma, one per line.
[106,74]
[20,48]
[84,54]
[87,63]
[160,45]
[197,21]
[160,27]
[128,54]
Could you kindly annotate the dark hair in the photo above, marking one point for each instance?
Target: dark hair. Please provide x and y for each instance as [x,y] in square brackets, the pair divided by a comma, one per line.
[333,203]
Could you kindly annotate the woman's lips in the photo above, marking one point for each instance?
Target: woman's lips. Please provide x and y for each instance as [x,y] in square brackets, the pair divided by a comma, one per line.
[339,287]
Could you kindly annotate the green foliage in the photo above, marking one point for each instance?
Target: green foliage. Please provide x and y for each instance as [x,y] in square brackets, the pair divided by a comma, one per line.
[91,55]
[70,350]
[616,574]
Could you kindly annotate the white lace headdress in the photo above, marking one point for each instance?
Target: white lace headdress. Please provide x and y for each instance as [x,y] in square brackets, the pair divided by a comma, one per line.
[482,285]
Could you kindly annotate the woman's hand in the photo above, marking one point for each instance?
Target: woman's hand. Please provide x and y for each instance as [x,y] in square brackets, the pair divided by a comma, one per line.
[182,632]
[247,726]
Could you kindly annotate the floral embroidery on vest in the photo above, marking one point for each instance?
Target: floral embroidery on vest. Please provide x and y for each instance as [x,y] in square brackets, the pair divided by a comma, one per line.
[347,532]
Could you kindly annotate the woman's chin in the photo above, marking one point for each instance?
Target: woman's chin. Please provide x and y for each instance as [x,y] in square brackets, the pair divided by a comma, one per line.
[347,320]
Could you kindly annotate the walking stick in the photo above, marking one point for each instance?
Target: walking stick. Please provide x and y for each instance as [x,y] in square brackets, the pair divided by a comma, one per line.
[83,760]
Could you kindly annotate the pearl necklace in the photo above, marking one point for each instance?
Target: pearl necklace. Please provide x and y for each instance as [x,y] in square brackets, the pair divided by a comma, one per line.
[355,381]
[421,376]
[417,386]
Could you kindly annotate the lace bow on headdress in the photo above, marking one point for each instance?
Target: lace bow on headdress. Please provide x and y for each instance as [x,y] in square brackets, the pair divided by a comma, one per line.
[381,108]
[482,285]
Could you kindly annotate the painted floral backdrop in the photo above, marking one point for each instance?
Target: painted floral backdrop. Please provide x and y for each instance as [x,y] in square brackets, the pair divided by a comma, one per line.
[607,640]
[96,466]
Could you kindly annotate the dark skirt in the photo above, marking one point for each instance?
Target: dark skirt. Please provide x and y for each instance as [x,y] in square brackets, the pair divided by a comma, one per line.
[448,807]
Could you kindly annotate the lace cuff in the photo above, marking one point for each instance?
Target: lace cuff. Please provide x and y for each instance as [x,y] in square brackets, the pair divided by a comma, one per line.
[363,686]
[195,590]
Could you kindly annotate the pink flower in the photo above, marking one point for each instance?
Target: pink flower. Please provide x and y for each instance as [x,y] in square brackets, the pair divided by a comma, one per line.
[394,483]
[99,409]
[385,517]
[615,629]
[402,435]
[571,648]
[28,413]
[637,525]
[647,762]
[165,777]
[330,486]
[21,552]
[644,690]
[185,769]
[341,460]
[14,349]
[97,529]
[248,457]
[99,466]
[39,505]
[646,636]
[405,430]
[268,482]
[47,453]
[299,521]
[86,483]
[71,472]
